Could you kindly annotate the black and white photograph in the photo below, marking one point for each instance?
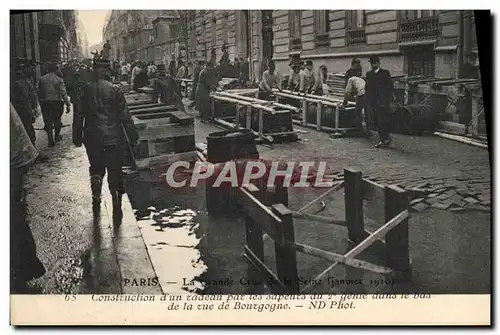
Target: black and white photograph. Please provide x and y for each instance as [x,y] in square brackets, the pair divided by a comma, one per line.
[326,155]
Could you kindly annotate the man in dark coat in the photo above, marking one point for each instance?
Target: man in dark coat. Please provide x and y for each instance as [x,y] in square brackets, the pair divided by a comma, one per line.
[206,83]
[378,98]
[23,98]
[100,126]
[24,263]
[196,74]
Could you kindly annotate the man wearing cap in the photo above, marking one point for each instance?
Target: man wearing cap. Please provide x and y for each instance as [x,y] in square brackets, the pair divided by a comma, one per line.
[294,78]
[307,78]
[23,98]
[102,126]
[378,98]
[270,79]
[52,96]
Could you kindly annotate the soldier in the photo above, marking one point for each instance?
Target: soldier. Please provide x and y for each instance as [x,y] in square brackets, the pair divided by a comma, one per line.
[206,83]
[52,96]
[23,98]
[196,74]
[100,126]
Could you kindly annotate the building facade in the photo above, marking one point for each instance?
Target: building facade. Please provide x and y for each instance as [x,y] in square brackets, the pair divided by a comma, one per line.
[410,42]
[43,37]
[247,33]
[130,33]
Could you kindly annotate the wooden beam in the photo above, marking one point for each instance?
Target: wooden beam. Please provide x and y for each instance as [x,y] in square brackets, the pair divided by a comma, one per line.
[264,268]
[341,259]
[271,224]
[377,234]
[319,218]
[372,187]
[335,188]
[354,205]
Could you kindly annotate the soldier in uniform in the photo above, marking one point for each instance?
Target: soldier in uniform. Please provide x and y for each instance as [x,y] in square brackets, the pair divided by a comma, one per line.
[23,98]
[100,127]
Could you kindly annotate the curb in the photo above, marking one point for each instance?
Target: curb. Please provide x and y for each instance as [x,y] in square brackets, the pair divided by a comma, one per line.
[133,259]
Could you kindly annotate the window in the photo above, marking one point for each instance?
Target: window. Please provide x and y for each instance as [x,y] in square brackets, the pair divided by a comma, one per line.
[418,14]
[421,62]
[295,31]
[355,19]
[322,21]
[355,24]
[322,25]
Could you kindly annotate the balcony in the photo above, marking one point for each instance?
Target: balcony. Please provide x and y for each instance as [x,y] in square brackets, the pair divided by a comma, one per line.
[419,29]
[356,36]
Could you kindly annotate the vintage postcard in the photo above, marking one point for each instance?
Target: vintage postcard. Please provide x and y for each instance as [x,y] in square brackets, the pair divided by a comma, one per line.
[250,167]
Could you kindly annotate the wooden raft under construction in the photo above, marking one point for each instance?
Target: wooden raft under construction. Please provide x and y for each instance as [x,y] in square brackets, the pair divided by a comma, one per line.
[268,120]
[166,135]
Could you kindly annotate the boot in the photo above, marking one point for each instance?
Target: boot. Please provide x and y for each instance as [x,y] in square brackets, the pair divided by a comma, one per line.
[96,186]
[58,136]
[50,137]
[117,207]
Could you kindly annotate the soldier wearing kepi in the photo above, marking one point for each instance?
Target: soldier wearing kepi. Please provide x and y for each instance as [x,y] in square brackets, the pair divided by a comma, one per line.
[100,126]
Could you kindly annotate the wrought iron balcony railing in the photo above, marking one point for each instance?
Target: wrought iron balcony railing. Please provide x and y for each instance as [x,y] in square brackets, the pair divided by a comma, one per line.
[356,36]
[419,29]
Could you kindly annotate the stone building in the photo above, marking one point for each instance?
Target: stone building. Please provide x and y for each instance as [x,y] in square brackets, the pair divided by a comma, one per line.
[130,33]
[410,42]
[248,34]
[43,37]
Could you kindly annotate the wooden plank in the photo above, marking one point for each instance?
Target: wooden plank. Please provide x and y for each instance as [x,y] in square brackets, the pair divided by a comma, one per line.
[335,188]
[262,267]
[354,204]
[341,259]
[397,240]
[371,187]
[319,218]
[286,257]
[165,131]
[167,159]
[270,223]
[377,234]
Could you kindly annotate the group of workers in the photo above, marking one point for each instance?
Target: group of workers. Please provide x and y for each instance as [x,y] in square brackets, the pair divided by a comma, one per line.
[372,93]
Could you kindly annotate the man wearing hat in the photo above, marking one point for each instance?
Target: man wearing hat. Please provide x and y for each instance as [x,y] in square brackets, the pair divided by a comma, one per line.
[52,96]
[378,98]
[23,97]
[100,127]
[294,78]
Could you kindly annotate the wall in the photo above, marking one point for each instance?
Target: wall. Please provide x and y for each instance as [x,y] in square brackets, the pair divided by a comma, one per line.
[382,38]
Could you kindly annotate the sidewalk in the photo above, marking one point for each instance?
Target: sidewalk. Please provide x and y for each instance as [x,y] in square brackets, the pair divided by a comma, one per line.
[81,255]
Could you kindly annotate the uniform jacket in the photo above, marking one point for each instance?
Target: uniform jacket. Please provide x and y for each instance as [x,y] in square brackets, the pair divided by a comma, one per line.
[103,116]
[51,88]
[378,88]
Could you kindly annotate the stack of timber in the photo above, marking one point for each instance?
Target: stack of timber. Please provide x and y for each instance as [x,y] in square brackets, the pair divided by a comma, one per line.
[336,84]
[166,135]
[267,119]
